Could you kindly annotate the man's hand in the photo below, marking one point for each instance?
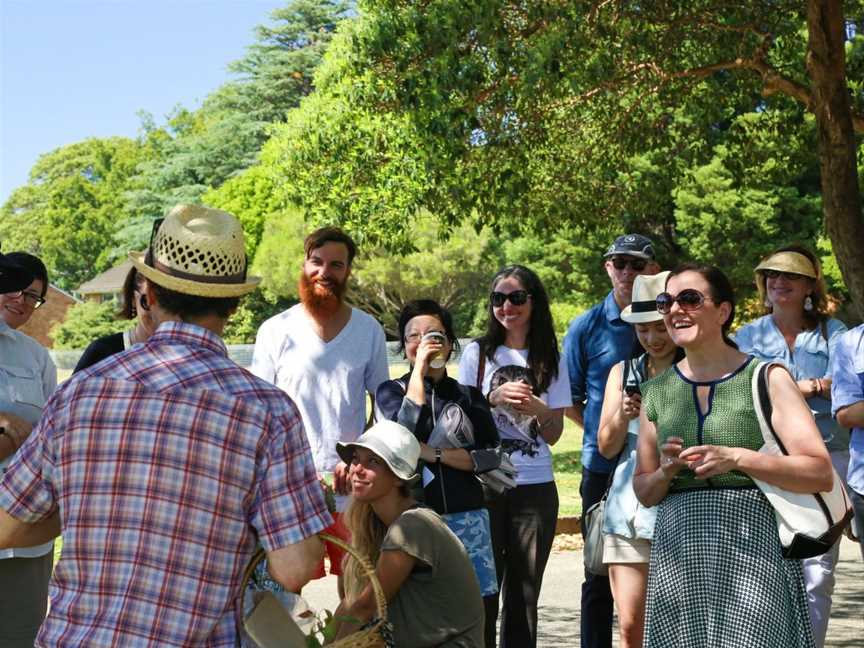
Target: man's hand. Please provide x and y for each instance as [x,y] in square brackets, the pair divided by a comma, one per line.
[340,479]
[16,427]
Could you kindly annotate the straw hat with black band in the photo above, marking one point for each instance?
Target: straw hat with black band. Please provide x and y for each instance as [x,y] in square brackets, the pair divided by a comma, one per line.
[643,308]
[13,277]
[197,251]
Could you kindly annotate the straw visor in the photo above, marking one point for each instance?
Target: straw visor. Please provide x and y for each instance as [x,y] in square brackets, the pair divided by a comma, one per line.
[392,442]
[643,309]
[198,251]
[789,262]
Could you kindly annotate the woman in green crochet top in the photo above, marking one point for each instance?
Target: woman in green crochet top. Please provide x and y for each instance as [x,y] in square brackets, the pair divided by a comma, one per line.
[717,577]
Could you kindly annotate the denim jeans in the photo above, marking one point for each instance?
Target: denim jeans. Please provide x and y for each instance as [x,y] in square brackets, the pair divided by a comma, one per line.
[523,526]
[597,604]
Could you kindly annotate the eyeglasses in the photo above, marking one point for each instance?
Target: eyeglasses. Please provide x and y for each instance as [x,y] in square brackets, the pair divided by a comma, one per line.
[638,265]
[790,276]
[689,300]
[517,298]
[34,299]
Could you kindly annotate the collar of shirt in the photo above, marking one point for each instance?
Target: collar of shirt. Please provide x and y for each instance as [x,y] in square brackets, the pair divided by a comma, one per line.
[188,335]
[610,308]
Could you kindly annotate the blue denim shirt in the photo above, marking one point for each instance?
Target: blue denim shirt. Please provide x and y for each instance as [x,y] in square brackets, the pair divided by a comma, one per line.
[595,341]
[810,359]
[847,388]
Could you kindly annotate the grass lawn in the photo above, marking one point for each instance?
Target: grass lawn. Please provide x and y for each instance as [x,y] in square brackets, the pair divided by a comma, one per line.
[567,465]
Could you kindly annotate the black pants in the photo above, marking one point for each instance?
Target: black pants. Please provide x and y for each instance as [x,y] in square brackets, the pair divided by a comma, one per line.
[523,527]
[23,599]
[597,605]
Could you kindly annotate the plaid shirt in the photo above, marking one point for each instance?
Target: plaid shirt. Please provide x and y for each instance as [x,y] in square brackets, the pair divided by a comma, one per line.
[165,462]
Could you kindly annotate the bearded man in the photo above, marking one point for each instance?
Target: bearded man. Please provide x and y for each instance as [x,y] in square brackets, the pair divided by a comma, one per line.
[326,356]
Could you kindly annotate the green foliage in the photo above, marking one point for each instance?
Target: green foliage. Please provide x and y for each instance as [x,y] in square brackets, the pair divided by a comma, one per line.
[254,309]
[67,212]
[86,322]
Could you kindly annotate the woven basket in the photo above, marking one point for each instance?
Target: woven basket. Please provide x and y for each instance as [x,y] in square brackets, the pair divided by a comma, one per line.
[368,637]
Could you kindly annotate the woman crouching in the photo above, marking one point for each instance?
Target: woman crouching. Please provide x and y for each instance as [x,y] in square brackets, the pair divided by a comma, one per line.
[432,594]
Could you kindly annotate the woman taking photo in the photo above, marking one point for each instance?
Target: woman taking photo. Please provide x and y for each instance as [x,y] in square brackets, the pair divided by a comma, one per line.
[431,591]
[797,332]
[423,400]
[518,366]
[28,377]
[628,527]
[717,576]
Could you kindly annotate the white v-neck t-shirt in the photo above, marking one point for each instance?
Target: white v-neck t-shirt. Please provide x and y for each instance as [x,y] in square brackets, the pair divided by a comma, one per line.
[328,381]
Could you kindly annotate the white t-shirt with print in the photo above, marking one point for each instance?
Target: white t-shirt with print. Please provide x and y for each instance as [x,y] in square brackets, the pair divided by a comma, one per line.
[328,381]
[509,364]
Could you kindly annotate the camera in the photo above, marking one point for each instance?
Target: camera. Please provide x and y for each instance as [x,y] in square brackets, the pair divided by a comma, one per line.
[630,390]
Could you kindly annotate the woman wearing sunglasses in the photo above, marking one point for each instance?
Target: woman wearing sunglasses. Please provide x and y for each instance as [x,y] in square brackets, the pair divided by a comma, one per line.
[627,525]
[797,332]
[433,407]
[717,576]
[518,366]
[28,377]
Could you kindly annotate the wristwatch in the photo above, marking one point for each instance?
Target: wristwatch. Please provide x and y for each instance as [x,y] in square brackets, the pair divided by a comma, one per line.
[437,455]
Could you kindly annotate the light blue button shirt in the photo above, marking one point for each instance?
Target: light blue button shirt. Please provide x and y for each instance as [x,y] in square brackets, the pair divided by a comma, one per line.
[624,515]
[28,377]
[810,359]
[847,388]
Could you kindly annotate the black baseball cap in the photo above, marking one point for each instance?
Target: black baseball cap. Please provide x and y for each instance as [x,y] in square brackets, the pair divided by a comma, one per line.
[634,245]
[13,277]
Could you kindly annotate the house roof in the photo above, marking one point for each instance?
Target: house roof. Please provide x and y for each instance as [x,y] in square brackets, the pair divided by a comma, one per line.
[109,282]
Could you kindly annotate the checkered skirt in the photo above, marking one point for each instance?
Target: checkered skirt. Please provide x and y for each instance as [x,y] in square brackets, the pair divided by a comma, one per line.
[717,577]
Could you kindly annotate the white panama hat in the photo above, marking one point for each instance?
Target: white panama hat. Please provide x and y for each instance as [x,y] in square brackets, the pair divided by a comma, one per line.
[198,251]
[391,441]
[643,308]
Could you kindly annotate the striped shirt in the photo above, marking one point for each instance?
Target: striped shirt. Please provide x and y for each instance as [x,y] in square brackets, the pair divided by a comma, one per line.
[167,462]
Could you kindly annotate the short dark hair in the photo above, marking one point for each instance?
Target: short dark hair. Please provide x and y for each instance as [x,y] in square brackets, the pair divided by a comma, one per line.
[188,306]
[330,235]
[31,264]
[431,307]
[721,290]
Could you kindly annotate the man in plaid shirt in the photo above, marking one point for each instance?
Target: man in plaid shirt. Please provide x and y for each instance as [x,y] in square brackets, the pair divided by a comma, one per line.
[166,464]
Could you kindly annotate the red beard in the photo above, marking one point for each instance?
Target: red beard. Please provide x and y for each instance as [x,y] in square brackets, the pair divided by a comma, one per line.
[322,301]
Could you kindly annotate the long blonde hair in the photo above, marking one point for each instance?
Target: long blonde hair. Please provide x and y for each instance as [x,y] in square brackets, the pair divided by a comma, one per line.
[367,534]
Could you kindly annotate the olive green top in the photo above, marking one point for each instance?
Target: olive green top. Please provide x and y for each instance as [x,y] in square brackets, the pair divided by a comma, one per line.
[670,401]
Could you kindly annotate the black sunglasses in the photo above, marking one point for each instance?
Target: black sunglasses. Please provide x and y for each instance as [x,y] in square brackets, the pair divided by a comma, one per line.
[517,298]
[790,276]
[638,265]
[689,300]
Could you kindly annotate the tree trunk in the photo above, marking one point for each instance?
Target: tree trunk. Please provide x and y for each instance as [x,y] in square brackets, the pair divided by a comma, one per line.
[841,200]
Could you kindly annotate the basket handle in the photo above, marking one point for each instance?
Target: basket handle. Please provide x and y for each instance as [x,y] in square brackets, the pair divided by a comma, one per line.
[366,566]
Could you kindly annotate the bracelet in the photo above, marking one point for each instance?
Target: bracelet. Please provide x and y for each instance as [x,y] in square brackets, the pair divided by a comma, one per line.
[438,455]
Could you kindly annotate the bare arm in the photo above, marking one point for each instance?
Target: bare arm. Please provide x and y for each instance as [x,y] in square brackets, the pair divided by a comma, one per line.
[806,469]
[15,533]
[458,458]
[295,565]
[15,432]
[519,396]
[852,416]
[576,413]
[618,410]
[393,569]
[654,471]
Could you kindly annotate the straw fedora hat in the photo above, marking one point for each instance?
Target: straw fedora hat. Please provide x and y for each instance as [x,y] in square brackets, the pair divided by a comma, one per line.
[197,251]
[643,308]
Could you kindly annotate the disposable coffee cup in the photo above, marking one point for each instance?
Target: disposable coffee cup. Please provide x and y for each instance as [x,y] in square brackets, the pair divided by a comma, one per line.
[437,361]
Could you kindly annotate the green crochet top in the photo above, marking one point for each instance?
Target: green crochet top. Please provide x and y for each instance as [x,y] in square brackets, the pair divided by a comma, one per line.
[670,401]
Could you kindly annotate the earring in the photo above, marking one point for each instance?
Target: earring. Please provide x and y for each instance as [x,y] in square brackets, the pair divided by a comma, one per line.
[808,303]
[767,303]
[142,300]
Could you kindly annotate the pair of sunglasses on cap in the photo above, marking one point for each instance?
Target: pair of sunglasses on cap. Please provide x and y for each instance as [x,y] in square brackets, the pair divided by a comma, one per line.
[517,298]
[688,300]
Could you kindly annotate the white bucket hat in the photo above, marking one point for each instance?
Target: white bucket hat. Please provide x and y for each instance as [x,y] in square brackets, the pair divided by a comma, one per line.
[197,251]
[643,308]
[392,442]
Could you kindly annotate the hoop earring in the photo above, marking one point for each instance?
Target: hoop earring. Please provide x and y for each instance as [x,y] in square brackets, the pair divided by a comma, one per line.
[142,301]
[808,303]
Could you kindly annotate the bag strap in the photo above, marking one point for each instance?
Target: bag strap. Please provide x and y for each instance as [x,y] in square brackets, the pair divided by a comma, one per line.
[481,367]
